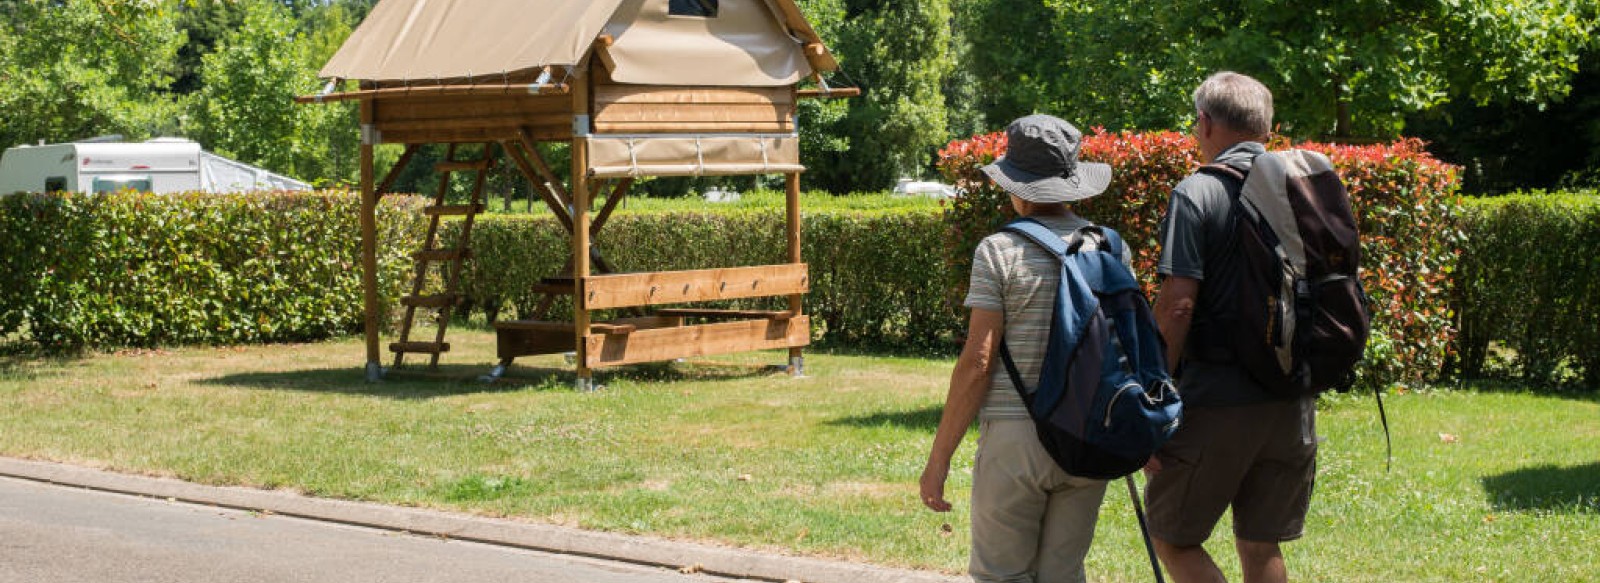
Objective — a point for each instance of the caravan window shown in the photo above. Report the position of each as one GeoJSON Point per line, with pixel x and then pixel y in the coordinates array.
{"type": "Point", "coordinates": [121, 182]}
{"type": "Point", "coordinates": [55, 184]}
{"type": "Point", "coordinates": [701, 8]}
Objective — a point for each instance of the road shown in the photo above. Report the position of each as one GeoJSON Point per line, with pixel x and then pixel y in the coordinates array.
{"type": "Point", "coordinates": [57, 534]}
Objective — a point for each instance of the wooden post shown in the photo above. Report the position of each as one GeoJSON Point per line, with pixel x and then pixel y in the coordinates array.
{"type": "Point", "coordinates": [792, 204]}
{"type": "Point", "coordinates": [369, 241]}
{"type": "Point", "coordinates": [579, 199]}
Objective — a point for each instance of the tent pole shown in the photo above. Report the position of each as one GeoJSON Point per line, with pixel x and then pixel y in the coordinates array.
{"type": "Point", "coordinates": [369, 243]}
{"type": "Point", "coordinates": [792, 203]}
{"type": "Point", "coordinates": [579, 199]}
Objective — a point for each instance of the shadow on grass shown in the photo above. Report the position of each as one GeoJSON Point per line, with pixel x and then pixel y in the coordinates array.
{"type": "Point", "coordinates": [1575, 392]}
{"type": "Point", "coordinates": [1573, 489]}
{"type": "Point", "coordinates": [924, 419]}
{"type": "Point", "coordinates": [418, 383]}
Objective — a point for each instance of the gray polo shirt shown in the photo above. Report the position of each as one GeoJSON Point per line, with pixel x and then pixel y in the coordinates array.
{"type": "Point", "coordinates": [1015, 276]}
{"type": "Point", "coordinates": [1198, 242]}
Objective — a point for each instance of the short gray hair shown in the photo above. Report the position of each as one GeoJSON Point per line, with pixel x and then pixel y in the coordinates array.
{"type": "Point", "coordinates": [1236, 101]}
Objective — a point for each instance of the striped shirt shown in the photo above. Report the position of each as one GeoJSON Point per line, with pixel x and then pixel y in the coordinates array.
{"type": "Point", "coordinates": [1017, 277]}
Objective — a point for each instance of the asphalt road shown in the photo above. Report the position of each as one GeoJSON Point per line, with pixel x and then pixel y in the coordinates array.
{"type": "Point", "coordinates": [57, 534]}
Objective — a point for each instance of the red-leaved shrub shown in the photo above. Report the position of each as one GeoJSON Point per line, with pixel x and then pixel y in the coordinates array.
{"type": "Point", "coordinates": [1404, 199]}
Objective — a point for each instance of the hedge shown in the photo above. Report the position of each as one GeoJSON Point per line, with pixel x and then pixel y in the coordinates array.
{"type": "Point", "coordinates": [1405, 201]}
{"type": "Point", "coordinates": [872, 271]}
{"type": "Point", "coordinates": [134, 269]}
{"type": "Point", "coordinates": [1530, 282]}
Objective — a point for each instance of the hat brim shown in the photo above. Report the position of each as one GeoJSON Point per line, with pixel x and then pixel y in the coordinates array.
{"type": "Point", "coordinates": [1090, 178]}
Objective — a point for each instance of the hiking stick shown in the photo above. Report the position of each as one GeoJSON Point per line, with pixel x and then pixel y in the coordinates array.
{"type": "Point", "coordinates": [1138, 510]}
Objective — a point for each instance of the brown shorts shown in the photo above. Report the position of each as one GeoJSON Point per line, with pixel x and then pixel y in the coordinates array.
{"type": "Point", "coordinates": [1259, 459]}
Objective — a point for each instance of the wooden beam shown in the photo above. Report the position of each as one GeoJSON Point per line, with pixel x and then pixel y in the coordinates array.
{"type": "Point", "coordinates": [704, 127]}
{"type": "Point", "coordinates": [465, 123]}
{"type": "Point", "coordinates": [729, 314]}
{"type": "Point", "coordinates": [394, 171]}
{"type": "Point", "coordinates": [373, 94]}
{"type": "Point", "coordinates": [835, 93]}
{"type": "Point", "coordinates": [791, 188]}
{"type": "Point", "coordinates": [691, 341]}
{"type": "Point", "coordinates": [544, 168]}
{"type": "Point", "coordinates": [617, 193]}
{"type": "Point", "coordinates": [579, 198]}
{"type": "Point", "coordinates": [369, 245]}
{"type": "Point", "coordinates": [672, 287]}
{"type": "Point", "coordinates": [537, 182]}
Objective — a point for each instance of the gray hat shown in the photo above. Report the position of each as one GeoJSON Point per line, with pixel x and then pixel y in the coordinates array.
{"type": "Point", "coordinates": [1041, 162]}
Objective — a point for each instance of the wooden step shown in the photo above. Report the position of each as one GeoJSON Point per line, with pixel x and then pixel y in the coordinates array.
{"type": "Point", "coordinates": [420, 347]}
{"type": "Point", "coordinates": [441, 254]}
{"type": "Point", "coordinates": [434, 301]}
{"type": "Point", "coordinates": [453, 210]}
{"type": "Point", "coordinates": [462, 166]}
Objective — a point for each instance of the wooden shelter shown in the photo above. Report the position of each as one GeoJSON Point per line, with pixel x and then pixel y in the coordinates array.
{"type": "Point", "coordinates": [637, 88]}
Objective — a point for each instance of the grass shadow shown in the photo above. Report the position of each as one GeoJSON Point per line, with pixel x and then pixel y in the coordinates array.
{"type": "Point", "coordinates": [924, 419]}
{"type": "Point", "coordinates": [1517, 386]}
{"type": "Point", "coordinates": [1572, 489]}
{"type": "Point", "coordinates": [402, 384]}
{"type": "Point", "coordinates": [417, 383]}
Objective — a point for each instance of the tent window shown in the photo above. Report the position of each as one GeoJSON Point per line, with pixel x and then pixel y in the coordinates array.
{"type": "Point", "coordinates": [55, 184]}
{"type": "Point", "coordinates": [701, 8]}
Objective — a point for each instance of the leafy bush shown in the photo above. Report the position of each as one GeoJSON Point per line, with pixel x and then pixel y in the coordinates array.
{"type": "Point", "coordinates": [1405, 202]}
{"type": "Point", "coordinates": [137, 269]}
{"type": "Point", "coordinates": [1530, 281]}
{"type": "Point", "coordinates": [873, 272]}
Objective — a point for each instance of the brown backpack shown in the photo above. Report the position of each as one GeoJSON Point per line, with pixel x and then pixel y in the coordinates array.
{"type": "Point", "coordinates": [1300, 319]}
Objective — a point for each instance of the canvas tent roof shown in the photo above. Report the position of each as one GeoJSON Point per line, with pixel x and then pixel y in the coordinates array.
{"type": "Point", "coordinates": [422, 40]}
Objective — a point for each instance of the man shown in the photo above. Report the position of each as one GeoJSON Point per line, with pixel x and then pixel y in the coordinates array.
{"type": "Point", "coordinates": [1031, 521]}
{"type": "Point", "coordinates": [1239, 446]}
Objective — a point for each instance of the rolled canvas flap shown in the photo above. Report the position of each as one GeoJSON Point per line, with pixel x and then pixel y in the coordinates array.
{"type": "Point", "coordinates": [613, 156]}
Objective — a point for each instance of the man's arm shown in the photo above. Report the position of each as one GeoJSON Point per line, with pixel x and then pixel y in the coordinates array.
{"type": "Point", "coordinates": [1174, 313]}
{"type": "Point", "coordinates": [969, 383]}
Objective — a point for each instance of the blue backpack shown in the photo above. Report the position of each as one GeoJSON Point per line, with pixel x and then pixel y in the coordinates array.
{"type": "Point", "coordinates": [1103, 403]}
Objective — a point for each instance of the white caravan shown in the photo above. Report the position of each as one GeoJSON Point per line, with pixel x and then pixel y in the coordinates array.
{"type": "Point", "coordinates": [161, 165]}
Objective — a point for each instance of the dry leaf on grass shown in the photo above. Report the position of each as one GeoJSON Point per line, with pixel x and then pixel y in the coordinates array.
{"type": "Point", "coordinates": [1448, 438]}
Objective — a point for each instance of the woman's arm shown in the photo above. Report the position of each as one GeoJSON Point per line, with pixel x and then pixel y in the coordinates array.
{"type": "Point", "coordinates": [969, 384]}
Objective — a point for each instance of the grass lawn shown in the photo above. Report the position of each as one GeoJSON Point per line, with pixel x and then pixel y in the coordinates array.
{"type": "Point", "coordinates": [1486, 486]}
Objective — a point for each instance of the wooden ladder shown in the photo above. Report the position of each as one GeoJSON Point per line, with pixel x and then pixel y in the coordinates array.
{"type": "Point", "coordinates": [451, 258]}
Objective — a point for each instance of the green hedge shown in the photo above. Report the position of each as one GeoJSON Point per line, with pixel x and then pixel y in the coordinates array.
{"type": "Point", "coordinates": [873, 272]}
{"type": "Point", "coordinates": [1405, 203]}
{"type": "Point", "coordinates": [1530, 282]}
{"type": "Point", "coordinates": [132, 269]}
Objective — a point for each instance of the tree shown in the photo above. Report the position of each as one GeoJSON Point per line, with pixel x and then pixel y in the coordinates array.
{"type": "Point", "coordinates": [1343, 67]}
{"type": "Point", "coordinates": [244, 108]}
{"type": "Point", "coordinates": [71, 69]}
{"type": "Point", "coordinates": [900, 53]}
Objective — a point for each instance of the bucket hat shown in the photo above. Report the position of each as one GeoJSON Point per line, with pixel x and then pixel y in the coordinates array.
{"type": "Point", "coordinates": [1041, 162]}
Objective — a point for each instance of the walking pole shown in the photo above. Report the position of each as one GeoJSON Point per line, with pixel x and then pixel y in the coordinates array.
{"type": "Point", "coordinates": [1138, 510]}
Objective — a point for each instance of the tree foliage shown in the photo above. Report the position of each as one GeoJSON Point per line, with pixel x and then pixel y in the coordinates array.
{"type": "Point", "coordinates": [245, 106]}
{"type": "Point", "coordinates": [71, 69]}
{"type": "Point", "coordinates": [899, 51]}
{"type": "Point", "coordinates": [1344, 67]}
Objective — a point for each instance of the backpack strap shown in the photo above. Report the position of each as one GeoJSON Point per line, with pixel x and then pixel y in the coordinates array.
{"type": "Point", "coordinates": [1038, 233]}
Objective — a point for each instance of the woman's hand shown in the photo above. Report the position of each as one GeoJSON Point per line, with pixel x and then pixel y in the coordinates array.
{"type": "Point", "coordinates": [933, 477]}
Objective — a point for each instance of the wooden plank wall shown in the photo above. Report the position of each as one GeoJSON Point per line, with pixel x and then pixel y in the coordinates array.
{"type": "Point", "coordinates": [473, 118]}
{"type": "Point", "coordinates": [645, 109]}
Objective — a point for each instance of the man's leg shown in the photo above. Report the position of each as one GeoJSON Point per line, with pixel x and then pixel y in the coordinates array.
{"type": "Point", "coordinates": [1188, 564]}
{"type": "Point", "coordinates": [1262, 562]}
{"type": "Point", "coordinates": [1069, 520]}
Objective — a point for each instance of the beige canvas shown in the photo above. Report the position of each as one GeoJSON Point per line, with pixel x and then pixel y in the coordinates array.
{"type": "Point", "coordinates": [743, 44]}
{"type": "Point", "coordinates": [420, 41]}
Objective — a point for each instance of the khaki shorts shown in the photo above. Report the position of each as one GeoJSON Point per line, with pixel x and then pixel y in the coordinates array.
{"type": "Point", "coordinates": [1259, 459]}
